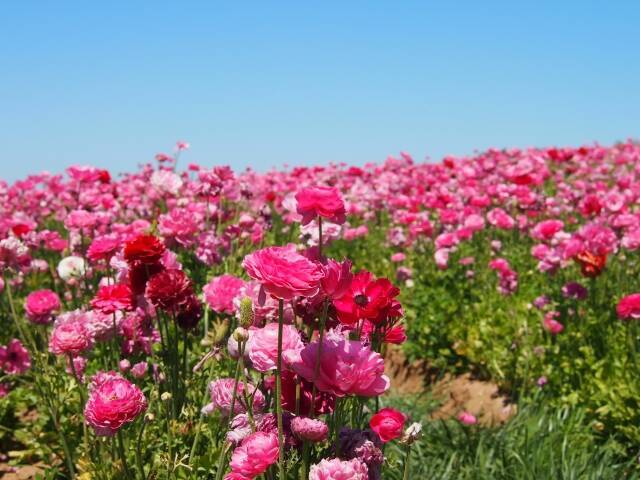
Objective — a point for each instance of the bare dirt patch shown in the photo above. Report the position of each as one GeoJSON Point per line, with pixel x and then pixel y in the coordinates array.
{"type": "Point", "coordinates": [455, 394]}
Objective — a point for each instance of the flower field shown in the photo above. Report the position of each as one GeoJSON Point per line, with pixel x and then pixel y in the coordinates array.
{"type": "Point", "coordinates": [192, 322]}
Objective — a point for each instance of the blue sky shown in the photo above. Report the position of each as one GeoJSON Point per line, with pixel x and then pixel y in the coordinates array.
{"type": "Point", "coordinates": [266, 83]}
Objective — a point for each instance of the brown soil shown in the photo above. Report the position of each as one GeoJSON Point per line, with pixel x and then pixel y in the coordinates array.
{"type": "Point", "coordinates": [20, 473]}
{"type": "Point", "coordinates": [455, 394]}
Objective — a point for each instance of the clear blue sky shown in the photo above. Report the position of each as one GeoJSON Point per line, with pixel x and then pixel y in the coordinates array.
{"type": "Point", "coordinates": [266, 83]}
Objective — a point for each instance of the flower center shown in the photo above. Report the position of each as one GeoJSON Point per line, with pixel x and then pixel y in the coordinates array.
{"type": "Point", "coordinates": [361, 300]}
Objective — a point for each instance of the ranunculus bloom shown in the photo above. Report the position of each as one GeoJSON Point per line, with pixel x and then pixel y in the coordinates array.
{"type": "Point", "coordinates": [368, 298]}
{"type": "Point", "coordinates": [552, 325]}
{"type": "Point", "coordinates": [41, 305]}
{"type": "Point", "coordinates": [111, 298]}
{"type": "Point", "coordinates": [347, 367]}
{"type": "Point", "coordinates": [323, 202]}
{"type": "Point", "coordinates": [140, 369]}
{"type": "Point", "coordinates": [70, 337]}
{"type": "Point", "coordinates": [255, 454]}
{"type": "Point", "coordinates": [591, 265]}
{"type": "Point", "coordinates": [113, 402]}
{"type": "Point", "coordinates": [337, 278]}
{"type": "Point", "coordinates": [336, 469]}
{"type": "Point", "coordinates": [169, 290]}
{"type": "Point", "coordinates": [263, 345]}
{"type": "Point", "coordinates": [309, 429]}
{"type": "Point", "coordinates": [546, 229]}
{"type": "Point", "coordinates": [103, 248]}
{"type": "Point", "coordinates": [222, 394]}
{"type": "Point", "coordinates": [190, 313]}
{"type": "Point", "coordinates": [283, 272]}
{"type": "Point", "coordinates": [220, 292]}
{"type": "Point", "coordinates": [144, 249]}
{"type": "Point", "coordinates": [388, 423]}
{"type": "Point", "coordinates": [324, 401]}
{"type": "Point", "coordinates": [467, 418]}
{"type": "Point", "coordinates": [71, 267]}
{"type": "Point", "coordinates": [629, 307]}
{"type": "Point", "coordinates": [14, 358]}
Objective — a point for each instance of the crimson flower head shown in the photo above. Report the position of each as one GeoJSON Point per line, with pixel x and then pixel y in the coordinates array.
{"type": "Point", "coordinates": [388, 423]}
{"type": "Point", "coordinates": [144, 249]}
{"type": "Point", "coordinates": [170, 290]}
{"type": "Point", "coordinates": [629, 307]}
{"type": "Point", "coordinates": [112, 298]}
{"type": "Point", "coordinates": [323, 202]}
{"type": "Point", "coordinates": [591, 265]}
{"type": "Point", "coordinates": [368, 298]}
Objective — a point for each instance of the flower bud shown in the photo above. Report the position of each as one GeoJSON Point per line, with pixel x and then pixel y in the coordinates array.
{"type": "Point", "coordinates": [240, 334]}
{"type": "Point", "coordinates": [166, 396]}
{"type": "Point", "coordinates": [412, 433]}
{"type": "Point", "coordinates": [246, 312]}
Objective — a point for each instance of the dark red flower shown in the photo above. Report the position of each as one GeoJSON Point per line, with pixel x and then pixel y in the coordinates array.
{"type": "Point", "coordinates": [111, 298]}
{"type": "Point", "coordinates": [144, 249]}
{"type": "Point", "coordinates": [324, 402]}
{"type": "Point", "coordinates": [368, 298]}
{"type": "Point", "coordinates": [170, 290]}
{"type": "Point", "coordinates": [190, 314]}
{"type": "Point", "coordinates": [591, 264]}
{"type": "Point", "coordinates": [139, 275]}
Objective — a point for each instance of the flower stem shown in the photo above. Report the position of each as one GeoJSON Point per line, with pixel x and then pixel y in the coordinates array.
{"type": "Point", "coordinates": [407, 458]}
{"type": "Point", "coordinates": [281, 473]}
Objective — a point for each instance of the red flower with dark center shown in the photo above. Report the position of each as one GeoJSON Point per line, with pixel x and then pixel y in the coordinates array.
{"type": "Point", "coordinates": [368, 298]}
{"type": "Point", "coordinates": [591, 265]}
{"type": "Point", "coordinates": [144, 249]}
{"type": "Point", "coordinates": [170, 290]}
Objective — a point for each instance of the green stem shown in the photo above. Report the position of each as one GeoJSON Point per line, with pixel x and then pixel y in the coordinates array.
{"type": "Point", "coordinates": [316, 368]}
{"type": "Point", "coordinates": [407, 459]}
{"type": "Point", "coordinates": [281, 473]}
{"type": "Point", "coordinates": [123, 455]}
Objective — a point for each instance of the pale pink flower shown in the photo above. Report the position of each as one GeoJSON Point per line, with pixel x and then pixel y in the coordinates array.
{"type": "Point", "coordinates": [255, 454]}
{"type": "Point", "coordinates": [336, 469]}
{"type": "Point", "coordinates": [309, 429]}
{"type": "Point", "coordinates": [263, 345]}
{"type": "Point", "coordinates": [222, 394]}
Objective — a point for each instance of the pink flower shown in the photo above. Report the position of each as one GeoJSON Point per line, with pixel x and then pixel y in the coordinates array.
{"type": "Point", "coordinates": [309, 429]}
{"type": "Point", "coordinates": [336, 469]}
{"type": "Point", "coordinates": [112, 298]}
{"type": "Point", "coordinates": [103, 248]}
{"type": "Point", "coordinates": [70, 336]}
{"type": "Point", "coordinates": [14, 358]}
{"type": "Point", "coordinates": [388, 423]}
{"type": "Point", "coordinates": [222, 394]}
{"type": "Point", "coordinates": [263, 345]}
{"type": "Point", "coordinates": [113, 402]}
{"type": "Point", "coordinates": [467, 418]}
{"type": "Point", "coordinates": [629, 307]}
{"type": "Point", "coordinates": [255, 454]}
{"type": "Point", "coordinates": [546, 229]}
{"type": "Point", "coordinates": [139, 370]}
{"type": "Point", "coordinates": [337, 278]}
{"type": "Point", "coordinates": [323, 202]}
{"type": "Point", "coordinates": [220, 292]}
{"type": "Point", "coordinates": [552, 325]}
{"type": "Point", "coordinates": [398, 257]}
{"type": "Point", "coordinates": [283, 272]}
{"type": "Point", "coordinates": [347, 367]}
{"type": "Point", "coordinates": [41, 305]}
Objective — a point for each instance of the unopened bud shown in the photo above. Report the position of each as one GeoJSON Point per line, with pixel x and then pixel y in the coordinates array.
{"type": "Point", "coordinates": [246, 312]}
{"type": "Point", "coordinates": [240, 334]}
{"type": "Point", "coordinates": [166, 396]}
{"type": "Point", "coordinates": [149, 417]}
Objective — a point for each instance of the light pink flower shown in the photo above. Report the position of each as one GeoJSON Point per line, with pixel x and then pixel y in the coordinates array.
{"type": "Point", "coordinates": [139, 370]}
{"type": "Point", "coordinates": [263, 345]}
{"type": "Point", "coordinates": [336, 469]}
{"type": "Point", "coordinates": [283, 272]}
{"type": "Point", "coordinates": [467, 418]}
{"type": "Point", "coordinates": [222, 394]}
{"type": "Point", "coordinates": [70, 336]}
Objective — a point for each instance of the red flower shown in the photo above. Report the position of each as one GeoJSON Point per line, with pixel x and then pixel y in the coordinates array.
{"type": "Point", "coordinates": [388, 423]}
{"type": "Point", "coordinates": [139, 275]}
{"type": "Point", "coordinates": [190, 314]}
{"type": "Point", "coordinates": [144, 249]}
{"type": "Point", "coordinates": [591, 265]}
{"type": "Point", "coordinates": [323, 202]}
{"type": "Point", "coordinates": [369, 299]}
{"type": "Point", "coordinates": [111, 298]}
{"type": "Point", "coordinates": [170, 290]}
{"type": "Point", "coordinates": [324, 401]}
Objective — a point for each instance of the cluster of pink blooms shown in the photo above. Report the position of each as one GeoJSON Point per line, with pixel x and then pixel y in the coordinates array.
{"type": "Point", "coordinates": [317, 324]}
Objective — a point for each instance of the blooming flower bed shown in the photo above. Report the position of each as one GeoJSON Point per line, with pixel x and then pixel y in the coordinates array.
{"type": "Point", "coordinates": [201, 323]}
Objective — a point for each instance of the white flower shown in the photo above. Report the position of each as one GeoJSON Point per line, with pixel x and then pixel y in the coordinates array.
{"type": "Point", "coordinates": [71, 267]}
{"type": "Point", "coordinates": [166, 181]}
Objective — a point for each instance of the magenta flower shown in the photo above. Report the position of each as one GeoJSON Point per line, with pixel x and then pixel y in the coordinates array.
{"type": "Point", "coordinates": [629, 307]}
{"type": "Point", "coordinates": [222, 394]}
{"type": "Point", "coordinates": [41, 305]}
{"type": "Point", "coordinates": [14, 358]}
{"type": "Point", "coordinates": [323, 202]}
{"type": "Point", "coordinates": [113, 402]}
{"type": "Point", "coordinates": [255, 454]}
{"type": "Point", "coordinates": [309, 429]}
{"type": "Point", "coordinates": [220, 292]}
{"type": "Point", "coordinates": [70, 336]}
{"type": "Point", "coordinates": [283, 272]}
{"type": "Point", "coordinates": [467, 418]}
{"type": "Point", "coordinates": [346, 367]}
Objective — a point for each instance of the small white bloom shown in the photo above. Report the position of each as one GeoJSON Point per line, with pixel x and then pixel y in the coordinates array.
{"type": "Point", "coordinates": [71, 267]}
